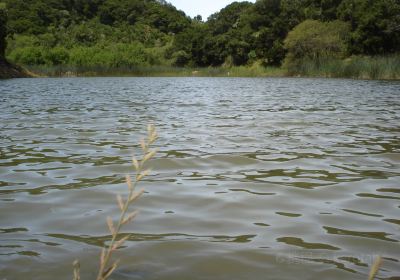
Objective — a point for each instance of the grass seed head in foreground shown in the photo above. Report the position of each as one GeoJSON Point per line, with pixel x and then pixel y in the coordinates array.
{"type": "Point", "coordinates": [107, 266]}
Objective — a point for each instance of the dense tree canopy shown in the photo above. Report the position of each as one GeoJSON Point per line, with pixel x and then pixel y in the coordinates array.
{"type": "Point", "coordinates": [111, 32]}
{"type": "Point", "coordinates": [315, 40]}
{"type": "Point", "coordinates": [375, 25]}
{"type": "Point", "coordinates": [3, 30]}
{"type": "Point", "coordinates": [36, 16]}
{"type": "Point", "coordinates": [244, 32]}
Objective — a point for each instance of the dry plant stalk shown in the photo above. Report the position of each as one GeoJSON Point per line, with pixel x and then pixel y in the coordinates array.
{"type": "Point", "coordinates": [106, 268]}
{"type": "Point", "coordinates": [77, 267]}
{"type": "Point", "coordinates": [375, 268]}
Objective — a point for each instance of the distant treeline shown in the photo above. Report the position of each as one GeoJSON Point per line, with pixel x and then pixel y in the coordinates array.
{"type": "Point", "coordinates": [132, 33]}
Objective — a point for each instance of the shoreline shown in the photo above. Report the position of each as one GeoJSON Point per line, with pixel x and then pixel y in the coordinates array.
{"type": "Point", "coordinates": [193, 75]}
{"type": "Point", "coordinates": [155, 71]}
{"type": "Point", "coordinates": [9, 70]}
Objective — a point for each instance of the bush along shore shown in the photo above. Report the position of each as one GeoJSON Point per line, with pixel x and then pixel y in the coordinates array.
{"type": "Point", "coordinates": [371, 68]}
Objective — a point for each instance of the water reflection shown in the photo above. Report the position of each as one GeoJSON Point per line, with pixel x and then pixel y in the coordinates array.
{"type": "Point", "coordinates": [102, 240]}
{"type": "Point", "coordinates": [375, 235]}
{"type": "Point", "coordinates": [300, 243]}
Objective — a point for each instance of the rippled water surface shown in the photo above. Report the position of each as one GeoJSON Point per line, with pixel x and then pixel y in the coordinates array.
{"type": "Point", "coordinates": [254, 179]}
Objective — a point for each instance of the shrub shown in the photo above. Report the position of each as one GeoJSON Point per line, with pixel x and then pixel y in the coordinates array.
{"type": "Point", "coordinates": [180, 58]}
{"type": "Point", "coordinates": [315, 40]}
{"type": "Point", "coordinates": [34, 55]}
{"type": "Point", "coordinates": [57, 56]}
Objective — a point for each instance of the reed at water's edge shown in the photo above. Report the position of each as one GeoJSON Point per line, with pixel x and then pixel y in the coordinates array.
{"type": "Point", "coordinates": [155, 71]}
{"type": "Point", "coordinates": [357, 67]}
{"type": "Point", "coordinates": [374, 68]}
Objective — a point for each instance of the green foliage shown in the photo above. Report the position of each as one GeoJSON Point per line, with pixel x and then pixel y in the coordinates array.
{"type": "Point", "coordinates": [89, 32]}
{"type": "Point", "coordinates": [36, 16]}
{"type": "Point", "coordinates": [228, 18]}
{"type": "Point", "coordinates": [315, 40]}
{"type": "Point", "coordinates": [57, 56]}
{"type": "Point", "coordinates": [28, 56]}
{"type": "Point", "coordinates": [357, 67]}
{"type": "Point", "coordinates": [115, 11]}
{"type": "Point", "coordinates": [22, 41]}
{"type": "Point", "coordinates": [39, 55]}
{"type": "Point", "coordinates": [109, 56]}
{"type": "Point", "coordinates": [192, 41]}
{"type": "Point", "coordinates": [375, 25]}
{"type": "Point", "coordinates": [3, 30]}
{"type": "Point", "coordinates": [211, 43]}
{"type": "Point", "coordinates": [119, 55]}
{"type": "Point", "coordinates": [180, 58]}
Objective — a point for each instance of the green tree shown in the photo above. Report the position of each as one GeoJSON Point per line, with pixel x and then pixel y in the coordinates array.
{"type": "Point", "coordinates": [3, 30]}
{"type": "Point", "coordinates": [180, 58]}
{"type": "Point", "coordinates": [375, 25]}
{"type": "Point", "coordinates": [192, 41]}
{"type": "Point", "coordinates": [268, 22]}
{"type": "Point", "coordinates": [228, 18]}
{"type": "Point", "coordinates": [315, 40]}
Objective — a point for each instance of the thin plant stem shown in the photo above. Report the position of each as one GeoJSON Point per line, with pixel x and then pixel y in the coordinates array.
{"type": "Point", "coordinates": [375, 268]}
{"type": "Point", "coordinates": [105, 268]}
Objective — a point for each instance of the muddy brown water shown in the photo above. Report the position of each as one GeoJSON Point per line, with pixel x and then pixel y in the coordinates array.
{"type": "Point", "coordinates": [254, 179]}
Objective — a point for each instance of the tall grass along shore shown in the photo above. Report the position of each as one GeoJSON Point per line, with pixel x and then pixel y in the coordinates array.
{"type": "Point", "coordinates": [375, 68]}
{"type": "Point", "coordinates": [356, 67]}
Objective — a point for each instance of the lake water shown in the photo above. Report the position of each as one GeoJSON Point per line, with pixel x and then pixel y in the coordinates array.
{"type": "Point", "coordinates": [254, 179]}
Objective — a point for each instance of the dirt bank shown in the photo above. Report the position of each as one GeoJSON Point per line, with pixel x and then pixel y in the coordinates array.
{"type": "Point", "coordinates": [9, 71]}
